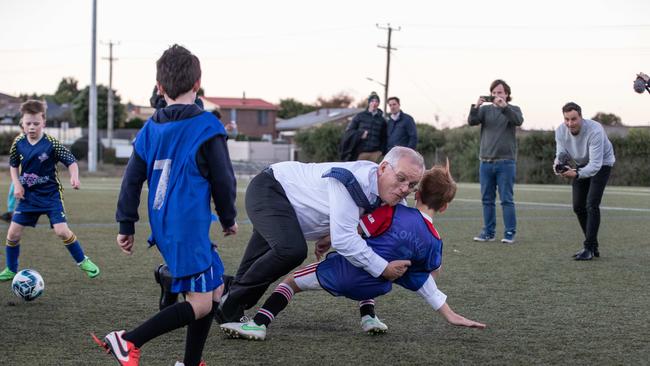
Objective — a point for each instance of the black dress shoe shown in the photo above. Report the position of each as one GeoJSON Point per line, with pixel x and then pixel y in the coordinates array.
{"type": "Point", "coordinates": [7, 216]}
{"type": "Point", "coordinates": [584, 255]}
{"type": "Point", "coordinates": [228, 312]}
{"type": "Point", "coordinates": [164, 279]}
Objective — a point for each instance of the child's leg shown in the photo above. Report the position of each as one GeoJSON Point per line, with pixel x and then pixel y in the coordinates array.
{"type": "Point", "coordinates": [367, 307]}
{"type": "Point", "coordinates": [70, 241]}
{"type": "Point", "coordinates": [72, 245]}
{"type": "Point", "coordinates": [12, 250]}
{"type": "Point", "coordinates": [302, 280]}
{"type": "Point", "coordinates": [198, 330]}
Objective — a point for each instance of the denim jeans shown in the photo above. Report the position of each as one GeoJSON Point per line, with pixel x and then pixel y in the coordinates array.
{"type": "Point", "coordinates": [498, 174]}
{"type": "Point", "coordinates": [587, 194]}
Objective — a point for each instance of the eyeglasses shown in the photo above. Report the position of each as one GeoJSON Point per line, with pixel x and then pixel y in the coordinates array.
{"type": "Point", "coordinates": [403, 180]}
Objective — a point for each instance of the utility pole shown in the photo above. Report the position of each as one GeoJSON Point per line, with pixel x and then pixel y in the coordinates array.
{"type": "Point", "coordinates": [92, 103]}
{"type": "Point", "coordinates": [110, 58]}
{"type": "Point", "coordinates": [388, 49]}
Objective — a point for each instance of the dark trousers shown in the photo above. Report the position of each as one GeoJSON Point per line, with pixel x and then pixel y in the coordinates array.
{"type": "Point", "coordinates": [276, 247]}
{"type": "Point", "coordinates": [587, 195]}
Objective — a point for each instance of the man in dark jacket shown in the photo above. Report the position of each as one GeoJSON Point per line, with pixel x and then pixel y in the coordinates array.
{"type": "Point", "coordinates": [401, 126]}
{"type": "Point", "coordinates": [373, 125]}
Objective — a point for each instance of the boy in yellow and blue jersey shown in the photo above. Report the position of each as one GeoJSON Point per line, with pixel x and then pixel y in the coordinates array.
{"type": "Point", "coordinates": [32, 159]}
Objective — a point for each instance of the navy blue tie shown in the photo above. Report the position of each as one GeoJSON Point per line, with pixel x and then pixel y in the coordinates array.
{"type": "Point", "coordinates": [350, 183]}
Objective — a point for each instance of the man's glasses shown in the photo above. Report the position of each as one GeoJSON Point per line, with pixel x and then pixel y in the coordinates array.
{"type": "Point", "coordinates": [403, 180]}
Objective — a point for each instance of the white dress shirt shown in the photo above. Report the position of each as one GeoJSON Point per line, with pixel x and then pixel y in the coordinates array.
{"type": "Point", "coordinates": [324, 206]}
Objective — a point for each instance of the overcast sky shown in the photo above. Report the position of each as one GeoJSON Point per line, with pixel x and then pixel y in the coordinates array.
{"type": "Point", "coordinates": [448, 52]}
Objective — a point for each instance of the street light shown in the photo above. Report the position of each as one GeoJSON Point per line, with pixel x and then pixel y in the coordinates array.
{"type": "Point", "coordinates": [383, 86]}
{"type": "Point", "coordinates": [373, 80]}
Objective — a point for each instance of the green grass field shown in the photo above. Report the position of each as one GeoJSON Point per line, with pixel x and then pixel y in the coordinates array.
{"type": "Point", "coordinates": [541, 307]}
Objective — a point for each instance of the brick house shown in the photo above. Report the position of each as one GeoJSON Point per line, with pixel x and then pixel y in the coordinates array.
{"type": "Point", "coordinates": [254, 117]}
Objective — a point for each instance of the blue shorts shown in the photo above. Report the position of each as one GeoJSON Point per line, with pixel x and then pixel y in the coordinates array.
{"type": "Point", "coordinates": [339, 277]}
{"type": "Point", "coordinates": [205, 281]}
{"type": "Point", "coordinates": [56, 214]}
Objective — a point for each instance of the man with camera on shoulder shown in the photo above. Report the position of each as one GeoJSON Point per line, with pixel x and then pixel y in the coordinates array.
{"type": "Point", "coordinates": [584, 142]}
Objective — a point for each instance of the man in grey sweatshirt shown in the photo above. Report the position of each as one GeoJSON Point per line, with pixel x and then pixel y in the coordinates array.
{"type": "Point", "coordinates": [585, 142]}
{"type": "Point", "coordinates": [498, 154]}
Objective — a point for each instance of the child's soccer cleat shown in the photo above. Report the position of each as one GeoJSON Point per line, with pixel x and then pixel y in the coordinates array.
{"type": "Point", "coordinates": [372, 325]}
{"type": "Point", "coordinates": [182, 364]}
{"type": "Point", "coordinates": [248, 330]}
{"type": "Point", "coordinates": [125, 352]}
{"type": "Point", "coordinates": [89, 267]}
{"type": "Point", "coordinates": [7, 275]}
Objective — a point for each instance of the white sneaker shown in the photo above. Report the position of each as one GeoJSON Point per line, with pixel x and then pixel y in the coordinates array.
{"type": "Point", "coordinates": [248, 330]}
{"type": "Point", "coordinates": [372, 325]}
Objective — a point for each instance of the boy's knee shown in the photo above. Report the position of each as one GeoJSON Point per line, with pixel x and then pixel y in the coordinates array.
{"type": "Point", "coordinates": [291, 282]}
{"type": "Point", "coordinates": [63, 232]}
{"type": "Point", "coordinates": [14, 233]}
{"type": "Point", "coordinates": [201, 303]}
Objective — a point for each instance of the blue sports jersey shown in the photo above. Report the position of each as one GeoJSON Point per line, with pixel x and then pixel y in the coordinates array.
{"type": "Point", "coordinates": [179, 196]}
{"type": "Point", "coordinates": [37, 171]}
{"type": "Point", "coordinates": [398, 232]}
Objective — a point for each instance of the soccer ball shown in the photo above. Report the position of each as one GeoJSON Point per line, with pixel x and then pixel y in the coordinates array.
{"type": "Point", "coordinates": [28, 284]}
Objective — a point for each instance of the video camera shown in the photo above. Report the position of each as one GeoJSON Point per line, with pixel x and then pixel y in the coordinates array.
{"type": "Point", "coordinates": [640, 85]}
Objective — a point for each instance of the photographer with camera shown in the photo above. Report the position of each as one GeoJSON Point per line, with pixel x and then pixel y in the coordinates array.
{"type": "Point", "coordinates": [498, 153]}
{"type": "Point", "coordinates": [585, 142]}
{"type": "Point", "coordinates": [642, 83]}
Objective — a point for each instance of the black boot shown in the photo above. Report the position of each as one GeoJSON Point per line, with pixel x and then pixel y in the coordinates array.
{"type": "Point", "coordinates": [164, 279]}
{"type": "Point", "coordinates": [584, 255]}
{"type": "Point", "coordinates": [7, 216]}
{"type": "Point", "coordinates": [594, 249]}
{"type": "Point", "coordinates": [228, 311]}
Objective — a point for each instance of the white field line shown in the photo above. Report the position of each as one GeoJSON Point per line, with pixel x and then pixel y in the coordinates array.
{"type": "Point", "coordinates": [563, 205]}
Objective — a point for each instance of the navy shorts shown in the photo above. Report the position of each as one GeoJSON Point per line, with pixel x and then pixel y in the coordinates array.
{"type": "Point", "coordinates": [339, 277]}
{"type": "Point", "coordinates": [56, 214]}
{"type": "Point", "coordinates": [205, 281]}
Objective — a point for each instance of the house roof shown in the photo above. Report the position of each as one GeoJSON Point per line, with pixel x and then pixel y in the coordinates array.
{"type": "Point", "coordinates": [241, 103]}
{"type": "Point", "coordinates": [8, 99]}
{"type": "Point", "coordinates": [316, 117]}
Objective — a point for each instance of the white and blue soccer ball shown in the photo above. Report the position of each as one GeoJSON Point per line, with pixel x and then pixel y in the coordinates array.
{"type": "Point", "coordinates": [28, 284]}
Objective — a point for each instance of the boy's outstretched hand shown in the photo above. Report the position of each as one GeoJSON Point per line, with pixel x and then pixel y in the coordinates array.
{"type": "Point", "coordinates": [458, 320]}
{"type": "Point", "coordinates": [126, 243]}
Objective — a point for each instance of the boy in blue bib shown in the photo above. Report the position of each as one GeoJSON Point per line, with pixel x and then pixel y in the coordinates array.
{"type": "Point", "coordinates": [181, 152]}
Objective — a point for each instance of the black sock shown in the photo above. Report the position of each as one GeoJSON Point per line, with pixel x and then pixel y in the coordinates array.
{"type": "Point", "coordinates": [367, 307]}
{"type": "Point", "coordinates": [278, 300]}
{"type": "Point", "coordinates": [197, 334]}
{"type": "Point", "coordinates": [168, 319]}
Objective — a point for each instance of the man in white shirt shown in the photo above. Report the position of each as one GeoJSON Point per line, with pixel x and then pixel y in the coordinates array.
{"type": "Point", "coordinates": [291, 202]}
